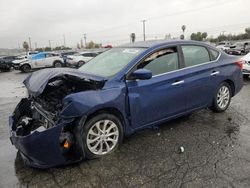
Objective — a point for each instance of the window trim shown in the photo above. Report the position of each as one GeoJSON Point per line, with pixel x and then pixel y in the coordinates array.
{"type": "Point", "coordinates": [132, 69]}
{"type": "Point", "coordinates": [209, 55]}
{"type": "Point", "coordinates": [182, 65]}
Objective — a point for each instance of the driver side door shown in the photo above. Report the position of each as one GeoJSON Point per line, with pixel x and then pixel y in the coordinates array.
{"type": "Point", "coordinates": [161, 97]}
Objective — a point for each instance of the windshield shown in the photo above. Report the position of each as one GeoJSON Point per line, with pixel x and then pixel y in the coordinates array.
{"type": "Point", "coordinates": [110, 62]}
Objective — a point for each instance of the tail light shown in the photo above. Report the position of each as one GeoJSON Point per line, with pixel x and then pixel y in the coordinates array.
{"type": "Point", "coordinates": [240, 64]}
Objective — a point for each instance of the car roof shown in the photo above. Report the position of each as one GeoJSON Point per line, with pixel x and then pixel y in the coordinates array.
{"type": "Point", "coordinates": [152, 43]}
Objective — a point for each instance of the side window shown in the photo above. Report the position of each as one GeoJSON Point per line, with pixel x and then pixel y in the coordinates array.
{"type": "Point", "coordinates": [195, 55]}
{"type": "Point", "coordinates": [214, 54]}
{"type": "Point", "coordinates": [49, 55]}
{"type": "Point", "coordinates": [162, 61]}
{"type": "Point", "coordinates": [87, 54]}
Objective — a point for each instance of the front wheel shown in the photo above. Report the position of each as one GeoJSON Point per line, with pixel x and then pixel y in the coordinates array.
{"type": "Point", "coordinates": [80, 63]}
{"type": "Point", "coordinates": [222, 98]}
{"type": "Point", "coordinates": [102, 135]}
{"type": "Point", "coordinates": [25, 68]}
{"type": "Point", "coordinates": [57, 64]}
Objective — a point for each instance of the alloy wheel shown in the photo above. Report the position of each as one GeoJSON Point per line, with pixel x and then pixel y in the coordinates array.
{"type": "Point", "coordinates": [102, 137]}
{"type": "Point", "coordinates": [223, 97]}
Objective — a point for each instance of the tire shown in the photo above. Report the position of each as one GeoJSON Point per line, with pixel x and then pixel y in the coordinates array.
{"type": "Point", "coordinates": [58, 64]}
{"type": "Point", "coordinates": [222, 98]}
{"type": "Point", "coordinates": [80, 63]}
{"type": "Point", "coordinates": [94, 141]}
{"type": "Point", "coordinates": [25, 68]}
{"type": "Point", "coordinates": [245, 76]}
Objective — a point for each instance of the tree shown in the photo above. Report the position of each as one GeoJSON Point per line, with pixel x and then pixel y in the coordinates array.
{"type": "Point", "coordinates": [39, 49]}
{"type": "Point", "coordinates": [97, 46]}
{"type": "Point", "coordinates": [198, 36]}
{"type": "Point", "coordinates": [183, 28]}
{"type": "Point", "coordinates": [78, 46]}
{"type": "Point", "coordinates": [26, 46]}
{"type": "Point", "coordinates": [90, 45]}
{"type": "Point", "coordinates": [132, 37]}
{"type": "Point", "coordinates": [47, 49]}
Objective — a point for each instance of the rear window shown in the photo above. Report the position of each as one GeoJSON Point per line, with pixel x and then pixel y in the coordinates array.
{"type": "Point", "coordinates": [195, 55]}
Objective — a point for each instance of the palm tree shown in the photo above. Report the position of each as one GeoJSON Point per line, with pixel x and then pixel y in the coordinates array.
{"type": "Point", "coordinates": [26, 46]}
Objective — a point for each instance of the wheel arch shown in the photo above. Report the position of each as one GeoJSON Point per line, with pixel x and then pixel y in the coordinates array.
{"type": "Point", "coordinates": [109, 110]}
{"type": "Point", "coordinates": [232, 86]}
{"type": "Point", "coordinates": [57, 61]}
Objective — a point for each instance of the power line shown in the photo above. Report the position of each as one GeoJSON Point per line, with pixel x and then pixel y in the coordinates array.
{"type": "Point", "coordinates": [167, 15]}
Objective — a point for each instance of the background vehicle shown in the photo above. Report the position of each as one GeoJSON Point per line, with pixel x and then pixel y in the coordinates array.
{"type": "Point", "coordinates": [67, 53]}
{"type": "Point", "coordinates": [80, 58]}
{"type": "Point", "coordinates": [84, 113]}
{"type": "Point", "coordinates": [224, 45]}
{"type": "Point", "coordinates": [41, 60]}
{"type": "Point", "coordinates": [239, 48]}
{"type": "Point", "coordinates": [246, 65]}
{"type": "Point", "coordinates": [6, 63]}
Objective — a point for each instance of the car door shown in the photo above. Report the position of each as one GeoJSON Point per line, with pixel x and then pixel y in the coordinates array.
{"type": "Point", "coordinates": [49, 60]}
{"type": "Point", "coordinates": [161, 97]}
{"type": "Point", "coordinates": [198, 71]}
{"type": "Point", "coordinates": [38, 60]}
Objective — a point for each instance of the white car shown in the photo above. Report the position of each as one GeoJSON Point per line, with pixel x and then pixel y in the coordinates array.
{"type": "Point", "coordinates": [246, 65]}
{"type": "Point", "coordinates": [80, 58]}
{"type": "Point", "coordinates": [40, 60]}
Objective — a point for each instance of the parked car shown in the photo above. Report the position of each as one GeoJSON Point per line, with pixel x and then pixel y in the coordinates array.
{"type": "Point", "coordinates": [6, 63]}
{"type": "Point", "coordinates": [80, 58]}
{"type": "Point", "coordinates": [239, 48]}
{"type": "Point", "coordinates": [224, 45]}
{"type": "Point", "coordinates": [40, 60]}
{"type": "Point", "coordinates": [67, 53]}
{"type": "Point", "coordinates": [75, 114]}
{"type": "Point", "coordinates": [246, 66]}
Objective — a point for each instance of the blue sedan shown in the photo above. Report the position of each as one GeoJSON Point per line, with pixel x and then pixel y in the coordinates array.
{"type": "Point", "coordinates": [70, 114]}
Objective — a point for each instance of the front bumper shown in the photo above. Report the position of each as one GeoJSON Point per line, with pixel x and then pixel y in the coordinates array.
{"type": "Point", "coordinates": [43, 148]}
{"type": "Point", "coordinates": [70, 62]}
{"type": "Point", "coordinates": [16, 66]}
{"type": "Point", "coordinates": [40, 149]}
{"type": "Point", "coordinates": [245, 72]}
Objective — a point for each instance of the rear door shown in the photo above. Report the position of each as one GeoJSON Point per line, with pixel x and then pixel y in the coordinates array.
{"type": "Point", "coordinates": [49, 60]}
{"type": "Point", "coordinates": [198, 72]}
{"type": "Point", "coordinates": [162, 96]}
{"type": "Point", "coordinates": [38, 60]}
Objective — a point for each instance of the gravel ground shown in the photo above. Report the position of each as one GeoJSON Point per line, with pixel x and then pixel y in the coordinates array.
{"type": "Point", "coordinates": [216, 151]}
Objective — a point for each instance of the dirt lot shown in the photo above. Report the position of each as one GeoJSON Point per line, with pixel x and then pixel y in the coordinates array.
{"type": "Point", "coordinates": [217, 151]}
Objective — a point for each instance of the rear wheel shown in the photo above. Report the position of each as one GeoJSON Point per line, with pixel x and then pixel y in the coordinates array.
{"type": "Point", "coordinates": [25, 68]}
{"type": "Point", "coordinates": [57, 64]}
{"type": "Point", "coordinates": [102, 135]}
{"type": "Point", "coordinates": [222, 98]}
{"type": "Point", "coordinates": [80, 63]}
{"type": "Point", "coordinates": [245, 76]}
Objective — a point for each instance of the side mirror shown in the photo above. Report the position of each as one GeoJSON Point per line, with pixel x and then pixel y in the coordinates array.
{"type": "Point", "coordinates": [141, 74]}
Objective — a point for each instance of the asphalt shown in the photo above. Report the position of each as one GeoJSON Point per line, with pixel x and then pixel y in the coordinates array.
{"type": "Point", "coordinates": [216, 151]}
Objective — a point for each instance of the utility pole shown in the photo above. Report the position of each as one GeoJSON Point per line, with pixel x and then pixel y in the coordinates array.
{"type": "Point", "coordinates": [35, 45]}
{"type": "Point", "coordinates": [64, 43]}
{"type": "Point", "coordinates": [85, 39]}
{"type": "Point", "coordinates": [49, 44]}
{"type": "Point", "coordinates": [143, 24]}
{"type": "Point", "coordinates": [30, 44]}
{"type": "Point", "coordinates": [19, 45]}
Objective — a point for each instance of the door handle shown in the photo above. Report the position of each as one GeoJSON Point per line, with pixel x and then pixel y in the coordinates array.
{"type": "Point", "coordinates": [215, 73]}
{"type": "Point", "coordinates": [178, 83]}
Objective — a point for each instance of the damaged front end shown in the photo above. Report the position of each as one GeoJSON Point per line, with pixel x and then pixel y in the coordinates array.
{"type": "Point", "coordinates": [40, 129]}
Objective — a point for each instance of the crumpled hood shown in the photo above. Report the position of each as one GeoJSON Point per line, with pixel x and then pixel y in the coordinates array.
{"type": "Point", "coordinates": [37, 81]}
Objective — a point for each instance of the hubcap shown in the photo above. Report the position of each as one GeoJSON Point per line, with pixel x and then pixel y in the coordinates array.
{"type": "Point", "coordinates": [58, 65]}
{"type": "Point", "coordinates": [102, 137]}
{"type": "Point", "coordinates": [223, 97]}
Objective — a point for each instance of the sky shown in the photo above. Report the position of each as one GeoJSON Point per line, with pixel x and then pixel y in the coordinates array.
{"type": "Point", "coordinates": [112, 21]}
